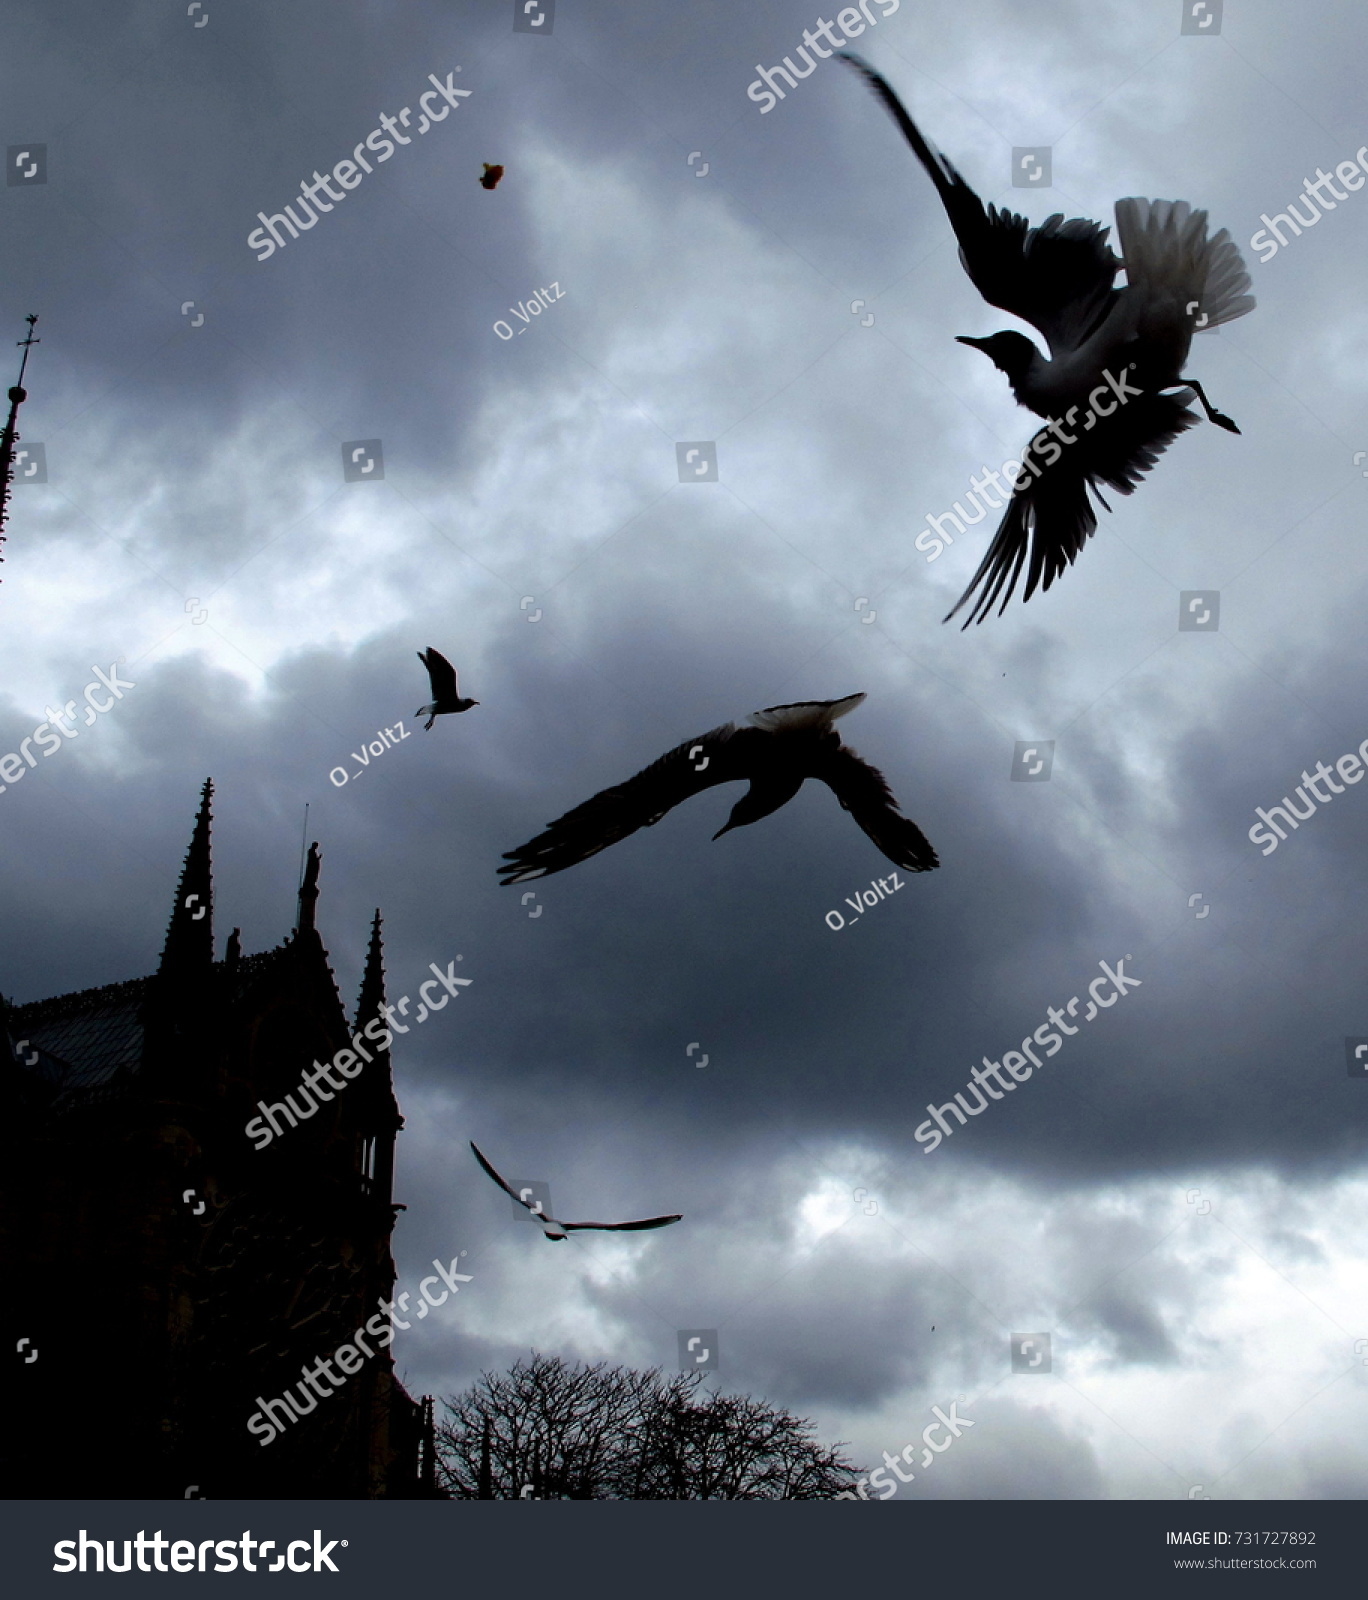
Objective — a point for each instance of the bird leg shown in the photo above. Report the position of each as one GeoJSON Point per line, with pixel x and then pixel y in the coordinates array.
{"type": "Point", "coordinates": [1221, 420]}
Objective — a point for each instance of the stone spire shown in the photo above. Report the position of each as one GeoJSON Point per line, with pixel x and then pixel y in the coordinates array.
{"type": "Point", "coordinates": [372, 995]}
{"type": "Point", "coordinates": [380, 1116]}
{"type": "Point", "coordinates": [189, 948]}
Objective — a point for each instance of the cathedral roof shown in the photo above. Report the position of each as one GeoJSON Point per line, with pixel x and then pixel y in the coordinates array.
{"type": "Point", "coordinates": [89, 1043]}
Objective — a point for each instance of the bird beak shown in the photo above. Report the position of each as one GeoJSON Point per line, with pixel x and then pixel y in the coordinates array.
{"type": "Point", "coordinates": [727, 829]}
{"type": "Point", "coordinates": [978, 344]}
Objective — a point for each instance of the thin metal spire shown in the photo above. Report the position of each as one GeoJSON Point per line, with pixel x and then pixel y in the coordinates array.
{"type": "Point", "coordinates": [17, 395]}
{"type": "Point", "coordinates": [303, 835]}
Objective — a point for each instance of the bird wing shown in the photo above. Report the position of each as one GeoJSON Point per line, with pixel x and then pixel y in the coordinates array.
{"type": "Point", "coordinates": [725, 753]}
{"type": "Point", "coordinates": [506, 1187]}
{"type": "Point", "coordinates": [441, 675]}
{"type": "Point", "coordinates": [625, 1227]}
{"type": "Point", "coordinates": [803, 714]}
{"type": "Point", "coordinates": [1051, 518]}
{"type": "Point", "coordinates": [1058, 277]}
{"type": "Point", "coordinates": [566, 1227]}
{"type": "Point", "coordinates": [863, 792]}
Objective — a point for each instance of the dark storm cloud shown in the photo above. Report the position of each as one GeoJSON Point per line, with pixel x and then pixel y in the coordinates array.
{"type": "Point", "coordinates": [670, 937]}
{"type": "Point", "coordinates": [537, 475]}
{"type": "Point", "coordinates": [166, 141]}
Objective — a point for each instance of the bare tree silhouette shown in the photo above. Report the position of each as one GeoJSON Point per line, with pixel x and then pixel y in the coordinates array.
{"type": "Point", "coordinates": [554, 1430]}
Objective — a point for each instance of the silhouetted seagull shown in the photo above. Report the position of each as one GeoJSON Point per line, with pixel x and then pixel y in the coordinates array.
{"type": "Point", "coordinates": [776, 749]}
{"type": "Point", "coordinates": [446, 688]}
{"type": "Point", "coordinates": [489, 178]}
{"type": "Point", "coordinates": [1111, 351]}
{"type": "Point", "coordinates": [556, 1231]}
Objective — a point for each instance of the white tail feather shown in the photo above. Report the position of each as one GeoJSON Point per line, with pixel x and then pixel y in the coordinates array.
{"type": "Point", "coordinates": [1165, 248]}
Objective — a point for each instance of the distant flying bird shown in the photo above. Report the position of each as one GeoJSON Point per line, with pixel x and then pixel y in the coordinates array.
{"type": "Point", "coordinates": [1111, 351]}
{"type": "Point", "coordinates": [556, 1231]}
{"type": "Point", "coordinates": [490, 177]}
{"type": "Point", "coordinates": [446, 689]}
{"type": "Point", "coordinates": [776, 749]}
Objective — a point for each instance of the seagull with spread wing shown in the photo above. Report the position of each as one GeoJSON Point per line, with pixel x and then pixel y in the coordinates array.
{"type": "Point", "coordinates": [776, 750]}
{"type": "Point", "coordinates": [1112, 351]}
{"type": "Point", "coordinates": [555, 1230]}
{"type": "Point", "coordinates": [445, 686]}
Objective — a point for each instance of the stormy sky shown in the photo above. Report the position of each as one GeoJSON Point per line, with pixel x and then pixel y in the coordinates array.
{"type": "Point", "coordinates": [1178, 1197]}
